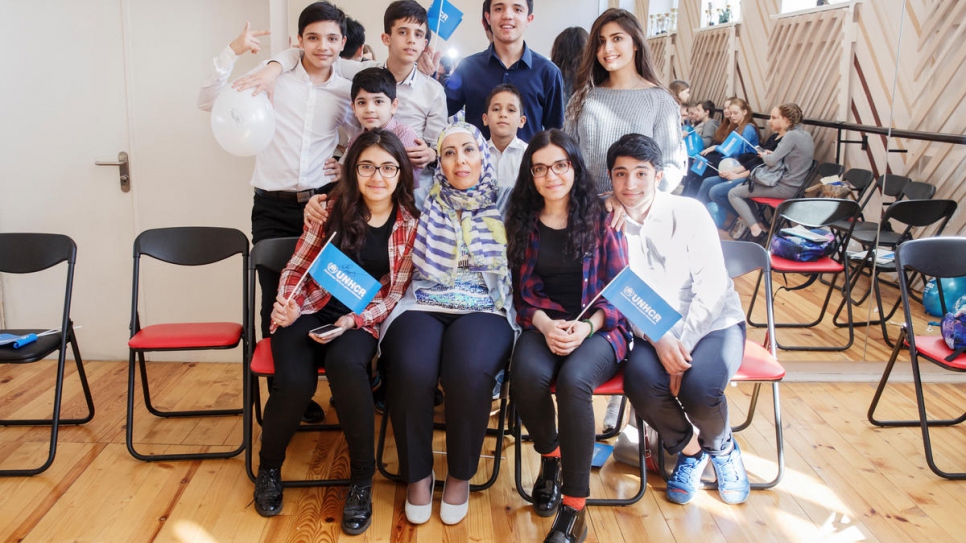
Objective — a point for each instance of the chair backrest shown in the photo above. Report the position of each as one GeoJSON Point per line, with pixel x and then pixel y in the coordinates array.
{"type": "Point", "coordinates": [826, 169]}
{"type": "Point", "coordinates": [920, 213]}
{"type": "Point", "coordinates": [191, 245]}
{"type": "Point", "coordinates": [918, 190]}
{"type": "Point", "coordinates": [891, 184]}
{"type": "Point", "coordinates": [816, 212]}
{"type": "Point", "coordinates": [808, 179]}
{"type": "Point", "coordinates": [743, 257]}
{"type": "Point", "coordinates": [939, 257]}
{"type": "Point", "coordinates": [273, 254]}
{"type": "Point", "coordinates": [30, 252]}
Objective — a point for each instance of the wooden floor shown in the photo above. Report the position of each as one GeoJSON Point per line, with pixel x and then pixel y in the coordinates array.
{"type": "Point", "coordinates": [845, 480]}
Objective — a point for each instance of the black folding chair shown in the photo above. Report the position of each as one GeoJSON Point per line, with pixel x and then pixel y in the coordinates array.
{"type": "Point", "coordinates": [271, 254]}
{"type": "Point", "coordinates": [813, 213]}
{"type": "Point", "coordinates": [912, 214]}
{"type": "Point", "coordinates": [31, 253]}
{"type": "Point", "coordinates": [183, 246]}
{"type": "Point", "coordinates": [940, 258]}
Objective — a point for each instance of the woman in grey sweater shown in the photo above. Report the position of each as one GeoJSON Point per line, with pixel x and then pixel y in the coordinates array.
{"type": "Point", "coordinates": [792, 157]}
{"type": "Point", "coordinates": [618, 92]}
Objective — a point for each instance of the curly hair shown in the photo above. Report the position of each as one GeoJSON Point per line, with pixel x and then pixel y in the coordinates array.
{"type": "Point", "coordinates": [349, 216]}
{"type": "Point", "coordinates": [591, 73]}
{"type": "Point", "coordinates": [584, 209]}
{"type": "Point", "coordinates": [792, 112]}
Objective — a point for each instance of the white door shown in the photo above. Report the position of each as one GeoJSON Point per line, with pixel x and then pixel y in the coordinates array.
{"type": "Point", "coordinates": [84, 81]}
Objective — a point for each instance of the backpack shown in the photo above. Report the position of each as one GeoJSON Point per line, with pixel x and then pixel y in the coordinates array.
{"type": "Point", "coordinates": [954, 333]}
{"type": "Point", "coordinates": [799, 249]}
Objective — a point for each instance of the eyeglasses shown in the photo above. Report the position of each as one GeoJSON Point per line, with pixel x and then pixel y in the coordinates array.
{"type": "Point", "coordinates": [387, 171]}
{"type": "Point", "coordinates": [560, 167]}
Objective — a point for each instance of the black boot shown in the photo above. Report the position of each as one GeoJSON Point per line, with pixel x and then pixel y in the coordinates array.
{"type": "Point", "coordinates": [357, 512]}
{"type": "Point", "coordinates": [546, 489]}
{"type": "Point", "coordinates": [313, 413]}
{"type": "Point", "coordinates": [268, 492]}
{"type": "Point", "coordinates": [568, 527]}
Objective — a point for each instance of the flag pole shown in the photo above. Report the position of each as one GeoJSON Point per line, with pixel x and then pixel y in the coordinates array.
{"type": "Point", "coordinates": [439, 19]}
{"type": "Point", "coordinates": [584, 310]}
{"type": "Point", "coordinates": [304, 275]}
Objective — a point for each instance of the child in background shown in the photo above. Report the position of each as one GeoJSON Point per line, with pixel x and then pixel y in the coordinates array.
{"type": "Point", "coordinates": [504, 116]}
{"type": "Point", "coordinates": [704, 125]}
{"type": "Point", "coordinates": [374, 103]}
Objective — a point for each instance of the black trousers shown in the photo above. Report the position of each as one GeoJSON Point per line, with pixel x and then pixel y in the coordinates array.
{"type": "Point", "coordinates": [577, 375]}
{"type": "Point", "coordinates": [464, 353]}
{"type": "Point", "coordinates": [273, 219]}
{"type": "Point", "coordinates": [347, 360]}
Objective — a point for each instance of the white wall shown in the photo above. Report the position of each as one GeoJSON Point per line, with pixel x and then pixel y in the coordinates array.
{"type": "Point", "coordinates": [550, 18]}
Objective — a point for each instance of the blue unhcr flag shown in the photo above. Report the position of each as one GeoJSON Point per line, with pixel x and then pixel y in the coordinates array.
{"type": "Point", "coordinates": [444, 17]}
{"type": "Point", "coordinates": [694, 143]}
{"type": "Point", "coordinates": [343, 278]}
{"type": "Point", "coordinates": [732, 145]}
{"type": "Point", "coordinates": [700, 164]}
{"type": "Point", "coordinates": [640, 304]}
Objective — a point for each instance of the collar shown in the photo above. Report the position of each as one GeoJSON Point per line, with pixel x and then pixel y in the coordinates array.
{"type": "Point", "coordinates": [526, 58]}
{"type": "Point", "coordinates": [516, 144]}
{"type": "Point", "coordinates": [303, 75]}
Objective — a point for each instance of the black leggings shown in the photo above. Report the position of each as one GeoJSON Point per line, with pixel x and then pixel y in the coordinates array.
{"type": "Point", "coordinates": [347, 360]}
{"type": "Point", "coordinates": [535, 368]}
{"type": "Point", "coordinates": [464, 353]}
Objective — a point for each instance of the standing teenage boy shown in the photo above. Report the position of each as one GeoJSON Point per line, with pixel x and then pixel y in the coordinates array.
{"type": "Point", "coordinates": [508, 60]}
{"type": "Point", "coordinates": [311, 104]}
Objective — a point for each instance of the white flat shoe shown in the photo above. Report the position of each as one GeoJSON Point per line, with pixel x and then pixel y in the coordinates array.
{"type": "Point", "coordinates": [453, 514]}
{"type": "Point", "coordinates": [420, 514]}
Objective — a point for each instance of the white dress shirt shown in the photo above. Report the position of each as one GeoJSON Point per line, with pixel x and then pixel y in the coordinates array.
{"type": "Point", "coordinates": [506, 164]}
{"type": "Point", "coordinates": [307, 120]}
{"type": "Point", "coordinates": [422, 100]}
{"type": "Point", "coordinates": [677, 252]}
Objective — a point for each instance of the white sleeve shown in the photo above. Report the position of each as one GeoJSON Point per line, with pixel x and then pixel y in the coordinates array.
{"type": "Point", "coordinates": [710, 280]}
{"type": "Point", "coordinates": [217, 79]}
{"type": "Point", "coordinates": [288, 58]}
{"type": "Point", "coordinates": [436, 119]}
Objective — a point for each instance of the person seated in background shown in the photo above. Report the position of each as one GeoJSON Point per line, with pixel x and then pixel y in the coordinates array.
{"type": "Point", "coordinates": [374, 104]}
{"type": "Point", "coordinates": [715, 188]}
{"type": "Point", "coordinates": [740, 121]}
{"type": "Point", "coordinates": [504, 116]}
{"type": "Point", "coordinates": [563, 252]}
{"type": "Point", "coordinates": [373, 220]}
{"type": "Point", "coordinates": [680, 90]}
{"type": "Point", "coordinates": [790, 163]}
{"type": "Point", "coordinates": [700, 115]}
{"type": "Point", "coordinates": [455, 326]}
{"type": "Point", "coordinates": [680, 378]}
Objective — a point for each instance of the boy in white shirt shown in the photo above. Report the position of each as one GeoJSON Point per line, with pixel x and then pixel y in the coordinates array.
{"type": "Point", "coordinates": [374, 104]}
{"type": "Point", "coordinates": [504, 116]}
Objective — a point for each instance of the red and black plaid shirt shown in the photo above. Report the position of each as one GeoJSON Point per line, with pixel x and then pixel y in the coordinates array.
{"type": "Point", "coordinates": [311, 297]}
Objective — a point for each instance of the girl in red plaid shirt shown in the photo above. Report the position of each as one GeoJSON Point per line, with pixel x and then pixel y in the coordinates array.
{"type": "Point", "coordinates": [563, 253]}
{"type": "Point", "coordinates": [375, 220]}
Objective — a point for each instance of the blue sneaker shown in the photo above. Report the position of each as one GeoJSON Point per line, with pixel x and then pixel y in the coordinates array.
{"type": "Point", "coordinates": [733, 486]}
{"type": "Point", "coordinates": [685, 480]}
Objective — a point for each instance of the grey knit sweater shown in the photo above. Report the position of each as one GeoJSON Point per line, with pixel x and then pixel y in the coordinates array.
{"type": "Point", "coordinates": [609, 114]}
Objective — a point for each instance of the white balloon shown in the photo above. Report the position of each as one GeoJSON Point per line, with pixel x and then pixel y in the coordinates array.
{"type": "Point", "coordinates": [242, 124]}
{"type": "Point", "coordinates": [728, 164]}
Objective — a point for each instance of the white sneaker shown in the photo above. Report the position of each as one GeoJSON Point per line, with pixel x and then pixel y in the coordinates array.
{"type": "Point", "coordinates": [610, 416]}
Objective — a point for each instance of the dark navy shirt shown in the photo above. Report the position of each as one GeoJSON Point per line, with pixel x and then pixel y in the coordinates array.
{"type": "Point", "coordinates": [537, 78]}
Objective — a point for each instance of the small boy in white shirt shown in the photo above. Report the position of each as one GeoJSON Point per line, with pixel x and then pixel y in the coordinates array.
{"type": "Point", "coordinates": [504, 116]}
{"type": "Point", "coordinates": [374, 104]}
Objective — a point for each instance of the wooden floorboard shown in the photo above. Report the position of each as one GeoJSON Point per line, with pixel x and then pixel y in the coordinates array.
{"type": "Point", "coordinates": [845, 479]}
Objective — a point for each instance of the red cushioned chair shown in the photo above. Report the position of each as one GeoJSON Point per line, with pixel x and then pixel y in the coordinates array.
{"type": "Point", "coordinates": [31, 253]}
{"type": "Point", "coordinates": [182, 246]}
{"type": "Point", "coordinates": [613, 387]}
{"type": "Point", "coordinates": [813, 213]}
{"type": "Point", "coordinates": [272, 254]}
{"type": "Point", "coordinates": [767, 206]}
{"type": "Point", "coordinates": [940, 258]}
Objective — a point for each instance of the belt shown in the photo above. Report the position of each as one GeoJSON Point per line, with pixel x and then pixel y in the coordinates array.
{"type": "Point", "coordinates": [301, 196]}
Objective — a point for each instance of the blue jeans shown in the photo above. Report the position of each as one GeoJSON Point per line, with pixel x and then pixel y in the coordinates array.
{"type": "Point", "coordinates": [719, 192]}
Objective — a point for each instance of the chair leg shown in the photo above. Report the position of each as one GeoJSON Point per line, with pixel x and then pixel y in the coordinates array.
{"type": "Point", "coordinates": [54, 427]}
{"type": "Point", "coordinates": [924, 425]}
{"type": "Point", "coordinates": [828, 296]}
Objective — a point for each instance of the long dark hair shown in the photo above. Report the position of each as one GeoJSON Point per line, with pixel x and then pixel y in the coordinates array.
{"type": "Point", "coordinates": [583, 212]}
{"type": "Point", "coordinates": [350, 216]}
{"type": "Point", "coordinates": [591, 73]}
{"type": "Point", "coordinates": [566, 52]}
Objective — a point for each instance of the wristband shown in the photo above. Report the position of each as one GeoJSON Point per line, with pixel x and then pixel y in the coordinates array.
{"type": "Point", "coordinates": [591, 324]}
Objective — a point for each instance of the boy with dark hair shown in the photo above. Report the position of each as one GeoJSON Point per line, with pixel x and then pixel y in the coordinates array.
{"type": "Point", "coordinates": [504, 116]}
{"type": "Point", "coordinates": [374, 104]}
{"type": "Point", "coordinates": [508, 60]}
{"type": "Point", "coordinates": [311, 104]}
{"type": "Point", "coordinates": [355, 38]}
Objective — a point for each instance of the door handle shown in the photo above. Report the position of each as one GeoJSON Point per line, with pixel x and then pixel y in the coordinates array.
{"type": "Point", "coordinates": [123, 167]}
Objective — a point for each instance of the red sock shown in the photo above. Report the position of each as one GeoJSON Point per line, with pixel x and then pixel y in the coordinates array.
{"type": "Point", "coordinates": [552, 454]}
{"type": "Point", "coordinates": [576, 503]}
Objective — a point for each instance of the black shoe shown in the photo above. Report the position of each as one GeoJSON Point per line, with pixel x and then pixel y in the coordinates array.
{"type": "Point", "coordinates": [313, 413]}
{"type": "Point", "coordinates": [546, 489]}
{"type": "Point", "coordinates": [357, 511]}
{"type": "Point", "coordinates": [568, 527]}
{"type": "Point", "coordinates": [268, 492]}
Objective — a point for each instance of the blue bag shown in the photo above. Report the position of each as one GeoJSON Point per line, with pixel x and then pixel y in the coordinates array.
{"type": "Point", "coordinates": [799, 249]}
{"type": "Point", "coordinates": [954, 333]}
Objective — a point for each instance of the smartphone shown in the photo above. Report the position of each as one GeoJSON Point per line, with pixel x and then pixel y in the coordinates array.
{"type": "Point", "coordinates": [325, 331]}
